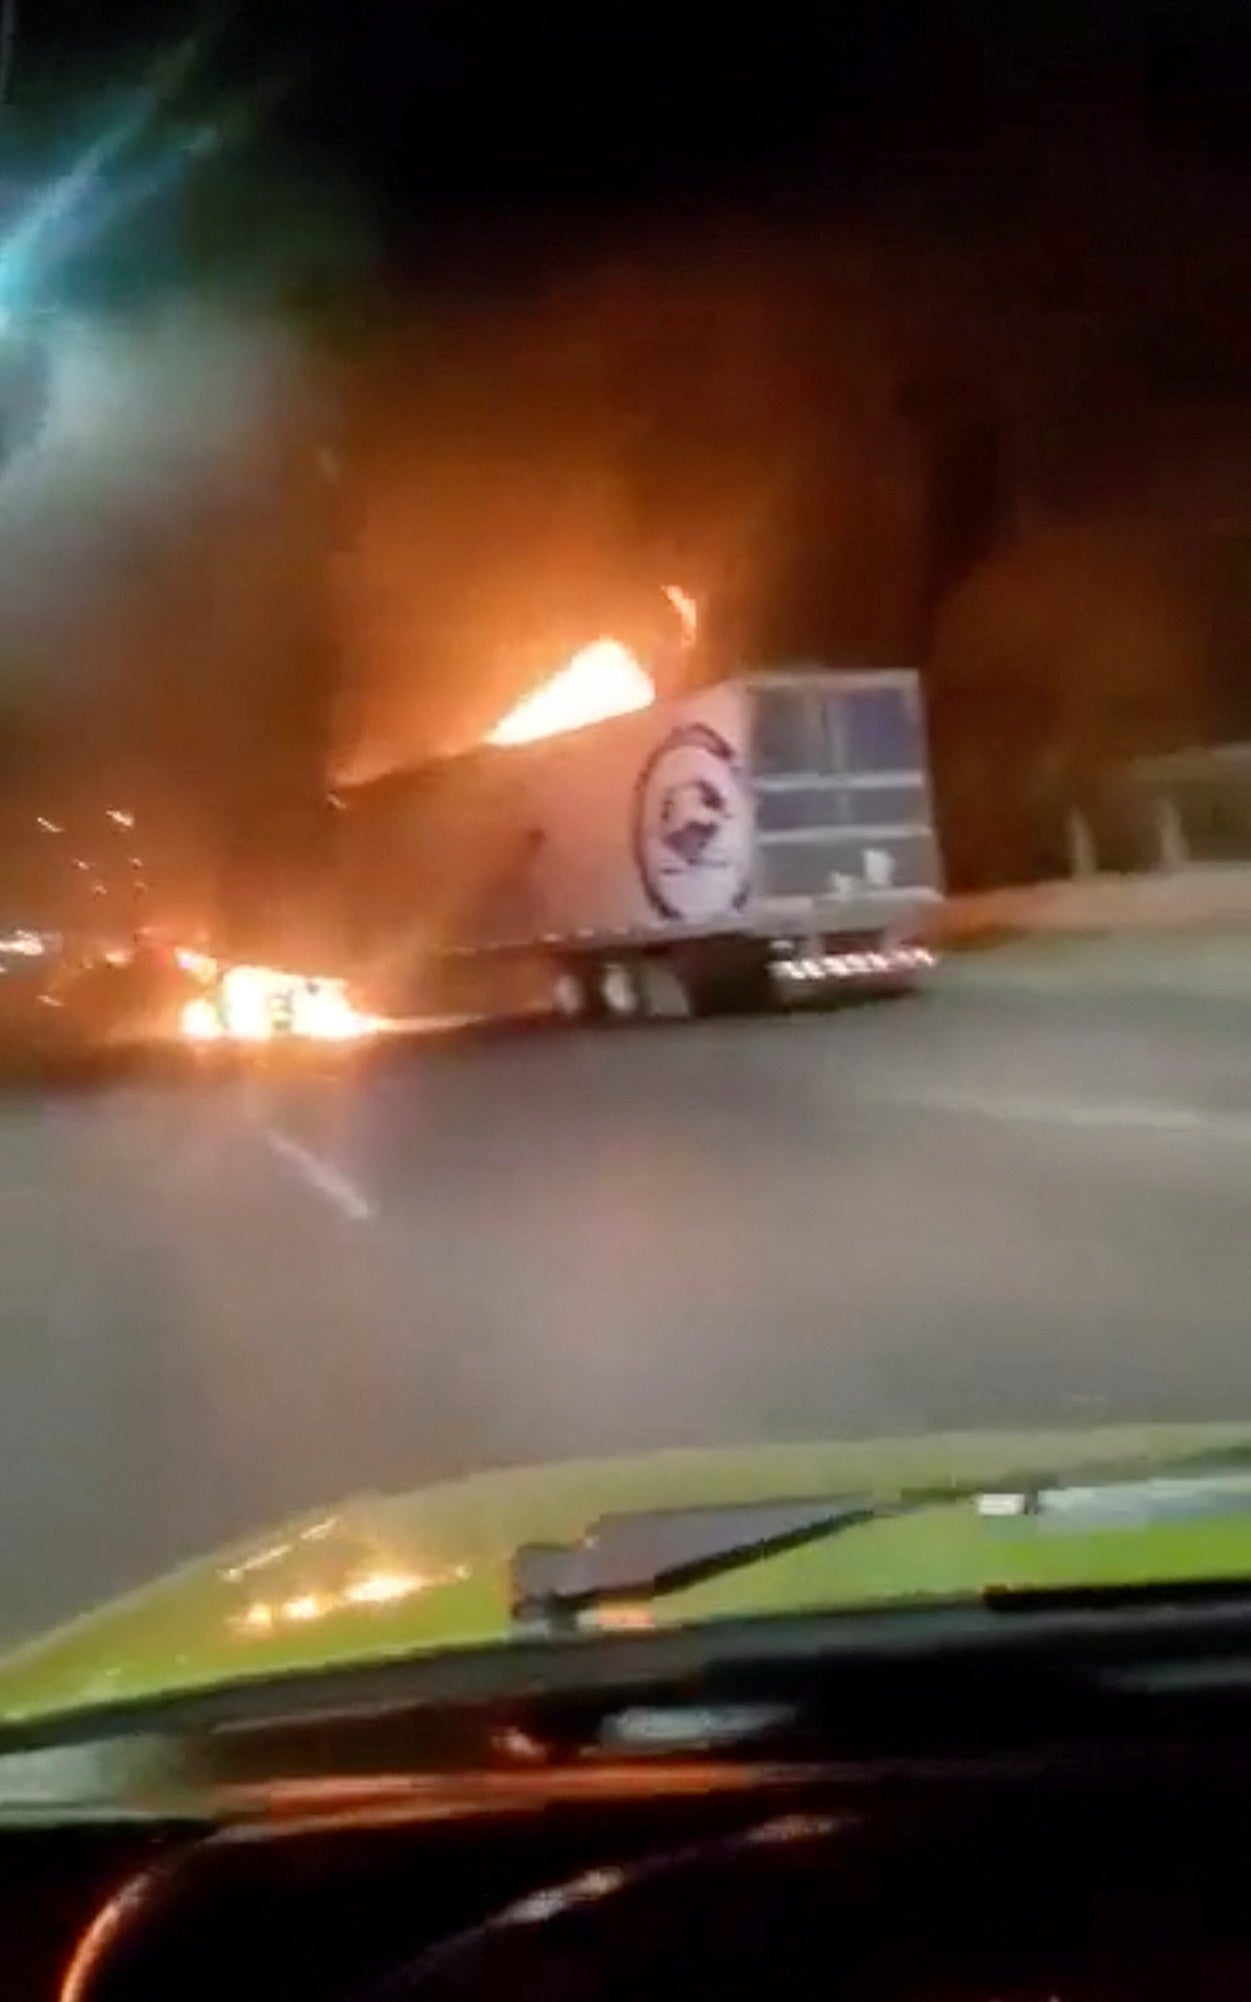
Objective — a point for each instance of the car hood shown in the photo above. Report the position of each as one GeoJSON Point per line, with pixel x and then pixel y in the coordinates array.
{"type": "Point", "coordinates": [380, 1576]}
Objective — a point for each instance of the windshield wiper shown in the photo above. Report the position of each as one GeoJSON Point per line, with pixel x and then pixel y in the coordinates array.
{"type": "Point", "coordinates": [637, 1556]}
{"type": "Point", "coordinates": [633, 1557]}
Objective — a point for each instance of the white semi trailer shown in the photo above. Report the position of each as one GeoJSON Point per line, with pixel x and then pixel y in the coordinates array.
{"type": "Point", "coordinates": [761, 840]}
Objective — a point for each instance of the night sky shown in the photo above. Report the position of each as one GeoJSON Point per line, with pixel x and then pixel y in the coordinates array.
{"type": "Point", "coordinates": [556, 127]}
{"type": "Point", "coordinates": [908, 333]}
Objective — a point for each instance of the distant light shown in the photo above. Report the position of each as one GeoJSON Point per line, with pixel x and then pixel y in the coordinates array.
{"type": "Point", "coordinates": [26, 944]}
{"type": "Point", "coordinates": [80, 863]}
{"type": "Point", "coordinates": [49, 826]}
{"type": "Point", "coordinates": [120, 816]}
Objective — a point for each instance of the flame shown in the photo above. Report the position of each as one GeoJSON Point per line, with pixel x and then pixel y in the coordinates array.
{"type": "Point", "coordinates": [603, 679]}
{"type": "Point", "coordinates": [323, 1010]}
{"type": "Point", "coordinates": [199, 1021]}
{"type": "Point", "coordinates": [252, 1004]}
{"type": "Point", "coordinates": [687, 610]}
{"type": "Point", "coordinates": [248, 996]}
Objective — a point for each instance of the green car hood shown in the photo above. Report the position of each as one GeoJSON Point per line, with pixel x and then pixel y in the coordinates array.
{"type": "Point", "coordinates": [383, 1576]}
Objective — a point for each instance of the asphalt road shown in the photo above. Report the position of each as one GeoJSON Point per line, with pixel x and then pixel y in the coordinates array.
{"type": "Point", "coordinates": [219, 1304]}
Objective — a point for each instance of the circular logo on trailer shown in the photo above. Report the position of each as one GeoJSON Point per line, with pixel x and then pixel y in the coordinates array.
{"type": "Point", "coordinates": [692, 827]}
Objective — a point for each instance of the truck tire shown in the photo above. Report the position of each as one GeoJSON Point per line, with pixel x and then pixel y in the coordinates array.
{"type": "Point", "coordinates": [620, 992]}
{"type": "Point", "coordinates": [573, 993]}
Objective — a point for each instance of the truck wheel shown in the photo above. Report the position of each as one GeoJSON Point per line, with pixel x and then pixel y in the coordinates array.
{"type": "Point", "coordinates": [573, 994]}
{"type": "Point", "coordinates": [619, 991]}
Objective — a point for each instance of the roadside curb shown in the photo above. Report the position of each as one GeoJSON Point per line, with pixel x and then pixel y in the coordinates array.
{"type": "Point", "coordinates": [1102, 967]}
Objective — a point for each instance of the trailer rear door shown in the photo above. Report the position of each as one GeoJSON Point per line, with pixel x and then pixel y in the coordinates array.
{"type": "Point", "coordinates": [842, 796]}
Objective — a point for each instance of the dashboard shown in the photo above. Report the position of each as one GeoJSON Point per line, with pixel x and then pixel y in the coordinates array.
{"type": "Point", "coordinates": [971, 1888]}
{"type": "Point", "coordinates": [1045, 1806]}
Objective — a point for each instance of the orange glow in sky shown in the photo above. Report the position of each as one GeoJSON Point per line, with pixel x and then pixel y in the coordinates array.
{"type": "Point", "coordinates": [603, 679]}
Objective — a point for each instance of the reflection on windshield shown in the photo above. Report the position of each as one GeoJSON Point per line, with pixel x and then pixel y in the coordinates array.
{"type": "Point", "coordinates": [374, 1588]}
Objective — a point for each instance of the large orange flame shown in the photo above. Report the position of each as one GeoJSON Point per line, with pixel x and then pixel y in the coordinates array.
{"type": "Point", "coordinates": [603, 679]}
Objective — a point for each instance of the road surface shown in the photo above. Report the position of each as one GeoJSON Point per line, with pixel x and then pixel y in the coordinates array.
{"type": "Point", "coordinates": [224, 1303]}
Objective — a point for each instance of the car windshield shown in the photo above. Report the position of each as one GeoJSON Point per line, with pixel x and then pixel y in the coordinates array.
{"type": "Point", "coordinates": [625, 767]}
